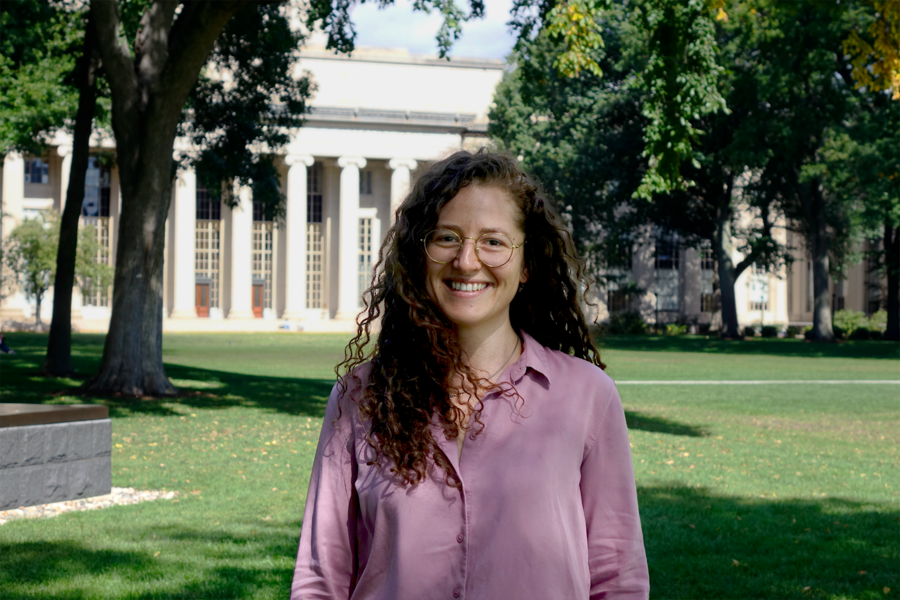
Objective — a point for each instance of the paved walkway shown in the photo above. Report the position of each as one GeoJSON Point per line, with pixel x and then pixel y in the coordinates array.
{"type": "Point", "coordinates": [760, 382]}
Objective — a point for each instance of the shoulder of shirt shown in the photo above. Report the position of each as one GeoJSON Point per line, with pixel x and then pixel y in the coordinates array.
{"type": "Point", "coordinates": [568, 369]}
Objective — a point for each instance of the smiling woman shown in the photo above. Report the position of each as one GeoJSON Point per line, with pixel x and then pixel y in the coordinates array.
{"type": "Point", "coordinates": [482, 343]}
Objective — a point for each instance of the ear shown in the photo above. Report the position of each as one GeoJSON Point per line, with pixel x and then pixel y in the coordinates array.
{"type": "Point", "coordinates": [523, 278]}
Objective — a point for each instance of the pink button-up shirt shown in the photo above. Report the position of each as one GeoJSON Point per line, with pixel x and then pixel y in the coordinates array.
{"type": "Point", "coordinates": [547, 510]}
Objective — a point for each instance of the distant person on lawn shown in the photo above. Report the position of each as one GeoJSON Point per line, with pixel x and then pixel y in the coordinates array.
{"type": "Point", "coordinates": [4, 348]}
{"type": "Point", "coordinates": [477, 449]}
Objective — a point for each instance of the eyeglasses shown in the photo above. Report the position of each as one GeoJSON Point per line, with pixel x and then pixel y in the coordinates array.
{"type": "Point", "coordinates": [492, 249]}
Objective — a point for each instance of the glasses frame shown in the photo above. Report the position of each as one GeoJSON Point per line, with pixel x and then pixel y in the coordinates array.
{"type": "Point", "coordinates": [462, 240]}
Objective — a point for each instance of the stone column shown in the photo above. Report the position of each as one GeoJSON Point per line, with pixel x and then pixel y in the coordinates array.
{"type": "Point", "coordinates": [399, 182]}
{"type": "Point", "coordinates": [13, 305]}
{"type": "Point", "coordinates": [241, 240]}
{"type": "Point", "coordinates": [66, 153]}
{"type": "Point", "coordinates": [348, 234]}
{"type": "Point", "coordinates": [295, 237]}
{"type": "Point", "coordinates": [183, 231]}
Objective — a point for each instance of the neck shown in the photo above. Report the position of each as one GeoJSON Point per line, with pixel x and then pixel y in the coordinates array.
{"type": "Point", "coordinates": [486, 351]}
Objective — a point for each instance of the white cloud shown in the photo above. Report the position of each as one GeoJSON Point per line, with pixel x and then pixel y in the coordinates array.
{"type": "Point", "coordinates": [399, 26]}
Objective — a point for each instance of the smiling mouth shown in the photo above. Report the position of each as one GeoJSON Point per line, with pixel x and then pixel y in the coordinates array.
{"type": "Point", "coordinates": [467, 287]}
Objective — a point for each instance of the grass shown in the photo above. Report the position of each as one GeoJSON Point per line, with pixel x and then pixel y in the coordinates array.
{"type": "Point", "coordinates": [763, 491]}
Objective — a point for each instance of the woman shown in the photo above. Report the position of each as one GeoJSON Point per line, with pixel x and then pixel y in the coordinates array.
{"type": "Point", "coordinates": [478, 451]}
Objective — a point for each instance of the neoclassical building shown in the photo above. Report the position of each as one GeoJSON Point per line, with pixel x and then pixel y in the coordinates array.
{"type": "Point", "coordinates": [375, 118]}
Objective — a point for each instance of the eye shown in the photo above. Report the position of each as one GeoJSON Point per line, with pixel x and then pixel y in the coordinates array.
{"type": "Point", "coordinates": [494, 242]}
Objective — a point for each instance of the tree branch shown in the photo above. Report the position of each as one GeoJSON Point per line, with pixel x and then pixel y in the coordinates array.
{"type": "Point", "coordinates": [152, 41]}
{"type": "Point", "coordinates": [190, 41]}
{"type": "Point", "coordinates": [117, 61]}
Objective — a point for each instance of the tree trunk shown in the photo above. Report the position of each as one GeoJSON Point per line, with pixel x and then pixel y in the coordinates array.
{"type": "Point", "coordinates": [149, 89]}
{"type": "Point", "coordinates": [891, 246]}
{"type": "Point", "coordinates": [722, 247]}
{"type": "Point", "coordinates": [37, 311]}
{"type": "Point", "coordinates": [818, 250]}
{"type": "Point", "coordinates": [58, 361]}
{"type": "Point", "coordinates": [132, 355]}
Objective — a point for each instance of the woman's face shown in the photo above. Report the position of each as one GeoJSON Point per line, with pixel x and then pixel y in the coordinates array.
{"type": "Point", "coordinates": [470, 294]}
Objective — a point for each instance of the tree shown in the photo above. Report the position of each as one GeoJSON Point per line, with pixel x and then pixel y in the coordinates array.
{"type": "Point", "coordinates": [583, 138]}
{"type": "Point", "coordinates": [150, 87]}
{"type": "Point", "coordinates": [30, 253]}
{"type": "Point", "coordinates": [808, 90]}
{"type": "Point", "coordinates": [37, 41]}
{"type": "Point", "coordinates": [58, 360]}
{"type": "Point", "coordinates": [862, 165]}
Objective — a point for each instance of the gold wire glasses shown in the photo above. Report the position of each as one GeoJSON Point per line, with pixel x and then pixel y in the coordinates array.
{"type": "Point", "coordinates": [492, 249]}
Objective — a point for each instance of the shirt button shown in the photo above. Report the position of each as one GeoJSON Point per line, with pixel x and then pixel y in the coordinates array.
{"type": "Point", "coordinates": [459, 538]}
{"type": "Point", "coordinates": [472, 437]}
{"type": "Point", "coordinates": [456, 593]}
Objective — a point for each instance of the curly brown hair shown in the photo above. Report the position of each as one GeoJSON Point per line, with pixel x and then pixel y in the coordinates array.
{"type": "Point", "coordinates": [417, 352]}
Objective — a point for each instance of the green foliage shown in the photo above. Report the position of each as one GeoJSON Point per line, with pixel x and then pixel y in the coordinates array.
{"type": "Point", "coordinates": [257, 108]}
{"type": "Point", "coordinates": [675, 329]}
{"type": "Point", "coordinates": [30, 253]}
{"type": "Point", "coordinates": [681, 77]}
{"type": "Point", "coordinates": [878, 321]}
{"type": "Point", "coordinates": [768, 331]}
{"type": "Point", "coordinates": [577, 23]}
{"type": "Point", "coordinates": [750, 331]}
{"type": "Point", "coordinates": [860, 333]}
{"type": "Point", "coordinates": [850, 320]}
{"type": "Point", "coordinates": [38, 42]}
{"type": "Point", "coordinates": [629, 322]}
{"type": "Point", "coordinates": [580, 136]}
{"type": "Point", "coordinates": [792, 331]}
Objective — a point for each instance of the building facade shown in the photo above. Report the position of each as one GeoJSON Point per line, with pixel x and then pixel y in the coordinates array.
{"type": "Point", "coordinates": [375, 118]}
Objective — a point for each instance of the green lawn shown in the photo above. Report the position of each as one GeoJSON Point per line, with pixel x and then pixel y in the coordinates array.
{"type": "Point", "coordinates": [762, 491]}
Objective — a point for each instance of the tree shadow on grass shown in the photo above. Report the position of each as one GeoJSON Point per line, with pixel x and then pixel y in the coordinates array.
{"type": "Point", "coordinates": [209, 389]}
{"type": "Point", "coordinates": [201, 388]}
{"type": "Point", "coordinates": [219, 565]}
{"type": "Point", "coordinates": [641, 422]}
{"type": "Point", "coordinates": [757, 346]}
{"type": "Point", "coordinates": [704, 545]}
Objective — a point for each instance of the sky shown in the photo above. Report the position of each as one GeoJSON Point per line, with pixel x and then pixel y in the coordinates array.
{"type": "Point", "coordinates": [398, 26]}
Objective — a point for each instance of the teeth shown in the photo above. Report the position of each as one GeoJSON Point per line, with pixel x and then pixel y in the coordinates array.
{"type": "Point", "coordinates": [467, 287]}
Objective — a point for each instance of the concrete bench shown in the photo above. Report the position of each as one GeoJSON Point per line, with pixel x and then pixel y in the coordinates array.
{"type": "Point", "coordinates": [53, 453]}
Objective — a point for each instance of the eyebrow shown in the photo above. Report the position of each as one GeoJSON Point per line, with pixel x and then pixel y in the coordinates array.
{"type": "Point", "coordinates": [481, 232]}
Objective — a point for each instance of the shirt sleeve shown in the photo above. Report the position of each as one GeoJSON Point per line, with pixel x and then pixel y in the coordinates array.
{"type": "Point", "coordinates": [616, 558]}
{"type": "Point", "coordinates": [327, 561]}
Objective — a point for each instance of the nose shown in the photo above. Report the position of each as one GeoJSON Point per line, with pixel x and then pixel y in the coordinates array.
{"type": "Point", "coordinates": [467, 259]}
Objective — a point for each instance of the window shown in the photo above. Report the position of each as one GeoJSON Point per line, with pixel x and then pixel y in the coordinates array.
{"type": "Point", "coordinates": [365, 255]}
{"type": "Point", "coordinates": [36, 171]}
{"type": "Point", "coordinates": [315, 238]}
{"type": "Point", "coordinates": [95, 295]}
{"type": "Point", "coordinates": [96, 190]}
{"type": "Point", "coordinates": [759, 289]}
{"type": "Point", "coordinates": [667, 253]}
{"type": "Point", "coordinates": [710, 303]}
{"type": "Point", "coordinates": [617, 301]}
{"type": "Point", "coordinates": [365, 182]}
{"type": "Point", "coordinates": [207, 238]}
{"type": "Point", "coordinates": [209, 208]}
{"type": "Point", "coordinates": [261, 260]}
{"type": "Point", "coordinates": [707, 259]}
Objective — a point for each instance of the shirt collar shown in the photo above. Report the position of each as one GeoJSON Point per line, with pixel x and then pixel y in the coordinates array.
{"type": "Point", "coordinates": [534, 357]}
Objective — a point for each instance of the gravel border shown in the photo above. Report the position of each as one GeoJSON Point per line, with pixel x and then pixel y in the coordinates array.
{"type": "Point", "coordinates": [117, 496]}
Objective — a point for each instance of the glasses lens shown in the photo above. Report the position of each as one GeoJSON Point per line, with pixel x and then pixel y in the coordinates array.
{"type": "Point", "coordinates": [494, 249]}
{"type": "Point", "coordinates": [442, 245]}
